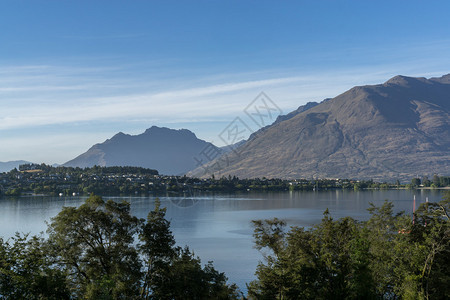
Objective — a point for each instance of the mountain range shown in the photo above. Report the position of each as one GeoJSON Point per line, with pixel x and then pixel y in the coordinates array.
{"type": "Point", "coordinates": [170, 151]}
{"type": "Point", "coordinates": [396, 130]}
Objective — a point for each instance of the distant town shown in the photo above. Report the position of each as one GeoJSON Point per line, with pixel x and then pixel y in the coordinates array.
{"type": "Point", "coordinates": [35, 179]}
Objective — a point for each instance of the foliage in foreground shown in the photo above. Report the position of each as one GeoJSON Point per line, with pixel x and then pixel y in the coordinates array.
{"type": "Point", "coordinates": [388, 257]}
{"type": "Point", "coordinates": [91, 253]}
{"type": "Point", "coordinates": [101, 251]}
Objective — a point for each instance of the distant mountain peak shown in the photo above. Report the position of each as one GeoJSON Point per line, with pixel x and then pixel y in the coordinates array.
{"type": "Point", "coordinates": [155, 129]}
{"type": "Point", "coordinates": [170, 151]}
{"type": "Point", "coordinates": [405, 80]}
{"type": "Point", "coordinates": [120, 135]}
{"type": "Point", "coordinates": [166, 130]}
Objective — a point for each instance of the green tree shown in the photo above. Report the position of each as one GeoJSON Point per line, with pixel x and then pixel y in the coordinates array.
{"type": "Point", "coordinates": [157, 249]}
{"type": "Point", "coordinates": [380, 231]}
{"type": "Point", "coordinates": [172, 272]}
{"type": "Point", "coordinates": [94, 245]}
{"type": "Point", "coordinates": [91, 254]}
{"type": "Point", "coordinates": [318, 263]}
{"type": "Point", "coordinates": [425, 181]}
{"type": "Point", "coordinates": [425, 272]}
{"type": "Point", "coordinates": [186, 279]}
{"type": "Point", "coordinates": [272, 283]}
{"type": "Point", "coordinates": [387, 257]}
{"type": "Point", "coordinates": [27, 270]}
{"type": "Point", "coordinates": [415, 182]}
{"type": "Point", "coordinates": [436, 180]}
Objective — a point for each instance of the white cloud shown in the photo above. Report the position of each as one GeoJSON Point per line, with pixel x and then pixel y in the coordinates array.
{"type": "Point", "coordinates": [32, 97]}
{"type": "Point", "coordinates": [31, 106]}
{"type": "Point", "coordinates": [206, 101]}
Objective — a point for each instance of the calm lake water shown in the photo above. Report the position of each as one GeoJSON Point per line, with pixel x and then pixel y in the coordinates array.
{"type": "Point", "coordinates": [218, 227]}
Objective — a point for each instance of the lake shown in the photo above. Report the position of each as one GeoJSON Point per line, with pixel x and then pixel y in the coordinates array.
{"type": "Point", "coordinates": [218, 227]}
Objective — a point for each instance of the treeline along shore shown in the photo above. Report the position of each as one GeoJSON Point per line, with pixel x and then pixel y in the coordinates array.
{"type": "Point", "coordinates": [34, 179]}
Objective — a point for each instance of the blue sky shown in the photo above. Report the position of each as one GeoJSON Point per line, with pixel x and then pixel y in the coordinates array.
{"type": "Point", "coordinates": [74, 73]}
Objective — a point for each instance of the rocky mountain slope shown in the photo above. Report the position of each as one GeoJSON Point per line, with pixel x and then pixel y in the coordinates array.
{"type": "Point", "coordinates": [395, 130]}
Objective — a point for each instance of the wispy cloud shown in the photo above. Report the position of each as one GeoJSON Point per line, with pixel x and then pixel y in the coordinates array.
{"type": "Point", "coordinates": [50, 99]}
{"type": "Point", "coordinates": [67, 98]}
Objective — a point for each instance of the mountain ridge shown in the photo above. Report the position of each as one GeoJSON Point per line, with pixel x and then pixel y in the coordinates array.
{"type": "Point", "coordinates": [393, 130]}
{"type": "Point", "coordinates": [170, 151]}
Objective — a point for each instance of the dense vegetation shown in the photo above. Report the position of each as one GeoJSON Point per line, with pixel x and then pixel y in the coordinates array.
{"type": "Point", "coordinates": [100, 251]}
{"type": "Point", "coordinates": [42, 179]}
{"type": "Point", "coordinates": [387, 257]}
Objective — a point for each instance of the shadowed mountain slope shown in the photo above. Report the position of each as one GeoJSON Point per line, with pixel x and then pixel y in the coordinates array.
{"type": "Point", "coordinates": [169, 151]}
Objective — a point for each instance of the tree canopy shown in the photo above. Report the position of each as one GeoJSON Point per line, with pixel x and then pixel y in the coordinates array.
{"type": "Point", "coordinates": [390, 256]}
{"type": "Point", "coordinates": [100, 251]}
